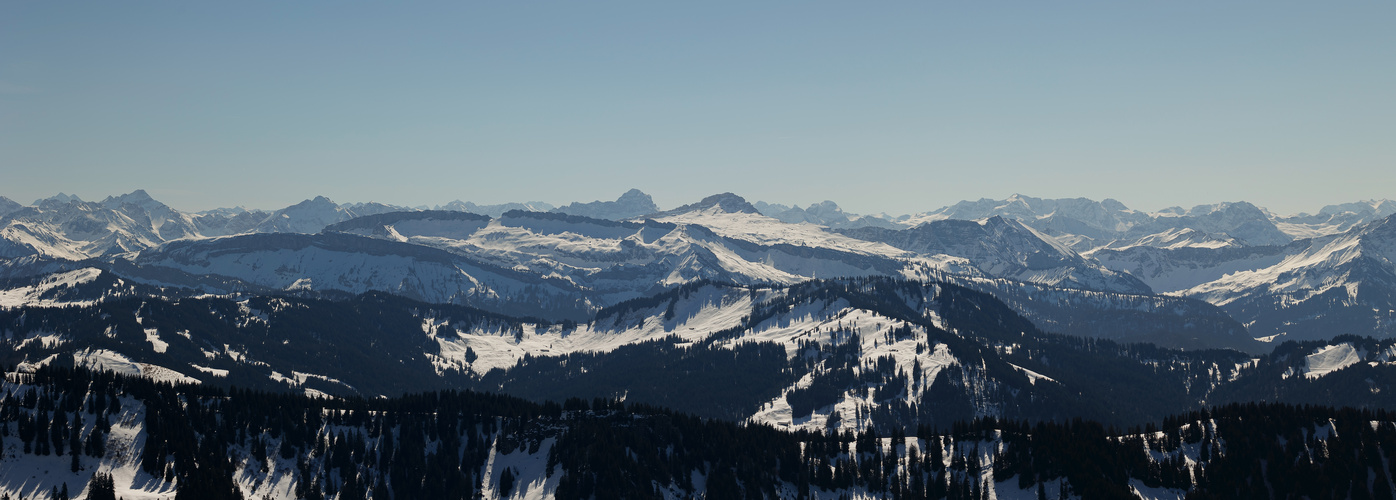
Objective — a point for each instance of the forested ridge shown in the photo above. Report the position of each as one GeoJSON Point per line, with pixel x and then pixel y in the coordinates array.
{"type": "Point", "coordinates": [1116, 383]}
{"type": "Point", "coordinates": [210, 443]}
{"type": "Point", "coordinates": [377, 344]}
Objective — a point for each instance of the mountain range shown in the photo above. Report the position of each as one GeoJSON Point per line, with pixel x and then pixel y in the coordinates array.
{"type": "Point", "coordinates": [802, 322]}
{"type": "Point", "coordinates": [1272, 274]}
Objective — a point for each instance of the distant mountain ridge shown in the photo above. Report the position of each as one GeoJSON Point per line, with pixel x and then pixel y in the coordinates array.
{"type": "Point", "coordinates": [1086, 224]}
{"type": "Point", "coordinates": [1006, 248]}
{"type": "Point", "coordinates": [607, 251]}
{"type": "Point", "coordinates": [634, 203]}
{"type": "Point", "coordinates": [724, 202]}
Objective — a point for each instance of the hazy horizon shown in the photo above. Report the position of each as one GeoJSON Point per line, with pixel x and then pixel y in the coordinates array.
{"type": "Point", "coordinates": [896, 108]}
{"type": "Point", "coordinates": [662, 205]}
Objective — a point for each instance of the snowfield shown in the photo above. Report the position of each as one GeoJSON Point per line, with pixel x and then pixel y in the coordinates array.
{"type": "Point", "coordinates": [37, 294]}
{"type": "Point", "coordinates": [1330, 359]}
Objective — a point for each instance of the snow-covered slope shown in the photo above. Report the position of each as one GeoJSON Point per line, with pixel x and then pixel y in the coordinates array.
{"type": "Point", "coordinates": [763, 230]}
{"type": "Point", "coordinates": [1212, 252]}
{"type": "Point", "coordinates": [1174, 239]}
{"type": "Point", "coordinates": [309, 216]}
{"type": "Point", "coordinates": [1340, 284]}
{"type": "Point", "coordinates": [1328, 359]}
{"type": "Point", "coordinates": [76, 229]}
{"type": "Point", "coordinates": [65, 227]}
{"type": "Point", "coordinates": [559, 266]}
{"type": "Point", "coordinates": [1005, 248]}
{"type": "Point", "coordinates": [1085, 225]}
{"type": "Point", "coordinates": [1333, 219]}
{"type": "Point", "coordinates": [167, 223]}
{"type": "Point", "coordinates": [229, 221]}
{"type": "Point", "coordinates": [354, 264]}
{"type": "Point", "coordinates": [1248, 224]}
{"type": "Point", "coordinates": [1180, 268]}
{"type": "Point", "coordinates": [616, 260]}
{"type": "Point", "coordinates": [1084, 222]}
{"type": "Point", "coordinates": [48, 290]}
{"type": "Point", "coordinates": [622, 260]}
{"type": "Point", "coordinates": [1173, 322]}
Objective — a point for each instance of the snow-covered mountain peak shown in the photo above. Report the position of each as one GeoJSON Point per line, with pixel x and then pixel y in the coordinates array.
{"type": "Point", "coordinates": [1232, 209]}
{"type": "Point", "coordinates": [1077, 216]}
{"type": "Point", "coordinates": [7, 205]}
{"type": "Point", "coordinates": [771, 209]}
{"type": "Point", "coordinates": [1380, 207]}
{"type": "Point", "coordinates": [826, 213]}
{"type": "Point", "coordinates": [634, 203]}
{"type": "Point", "coordinates": [495, 210]}
{"type": "Point", "coordinates": [634, 194]}
{"type": "Point", "coordinates": [1334, 219]}
{"type": "Point", "coordinates": [1379, 240]}
{"type": "Point", "coordinates": [1301, 276]}
{"type": "Point", "coordinates": [142, 201]}
{"type": "Point", "coordinates": [137, 197]}
{"type": "Point", "coordinates": [309, 216]}
{"type": "Point", "coordinates": [1319, 287]}
{"type": "Point", "coordinates": [77, 230]}
{"type": "Point", "coordinates": [225, 211]}
{"type": "Point", "coordinates": [1243, 222]}
{"type": "Point", "coordinates": [1086, 225]}
{"type": "Point", "coordinates": [1113, 204]}
{"type": "Point", "coordinates": [724, 202]}
{"type": "Point", "coordinates": [826, 209]}
{"type": "Point", "coordinates": [60, 198]}
{"type": "Point", "coordinates": [373, 208]}
{"type": "Point", "coordinates": [1004, 247]}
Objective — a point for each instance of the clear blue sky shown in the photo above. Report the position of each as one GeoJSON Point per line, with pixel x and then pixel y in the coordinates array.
{"type": "Point", "coordinates": [882, 106]}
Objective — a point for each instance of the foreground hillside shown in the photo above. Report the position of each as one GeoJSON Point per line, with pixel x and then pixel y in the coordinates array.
{"type": "Point", "coordinates": [79, 434]}
{"type": "Point", "coordinates": [822, 355]}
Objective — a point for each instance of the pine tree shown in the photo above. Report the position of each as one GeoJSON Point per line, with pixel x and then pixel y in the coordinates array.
{"type": "Point", "coordinates": [102, 487]}
{"type": "Point", "coordinates": [506, 482]}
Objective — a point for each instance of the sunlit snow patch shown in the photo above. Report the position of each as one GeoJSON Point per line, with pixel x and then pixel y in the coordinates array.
{"type": "Point", "coordinates": [1033, 376]}
{"type": "Point", "coordinates": [152, 335]}
{"type": "Point", "coordinates": [1331, 358]}
{"type": "Point", "coordinates": [32, 295]}
{"type": "Point", "coordinates": [104, 360]}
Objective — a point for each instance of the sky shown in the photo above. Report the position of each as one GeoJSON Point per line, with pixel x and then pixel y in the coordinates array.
{"type": "Point", "coordinates": [896, 107]}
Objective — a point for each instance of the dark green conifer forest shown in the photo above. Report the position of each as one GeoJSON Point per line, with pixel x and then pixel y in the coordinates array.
{"type": "Point", "coordinates": [450, 444]}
